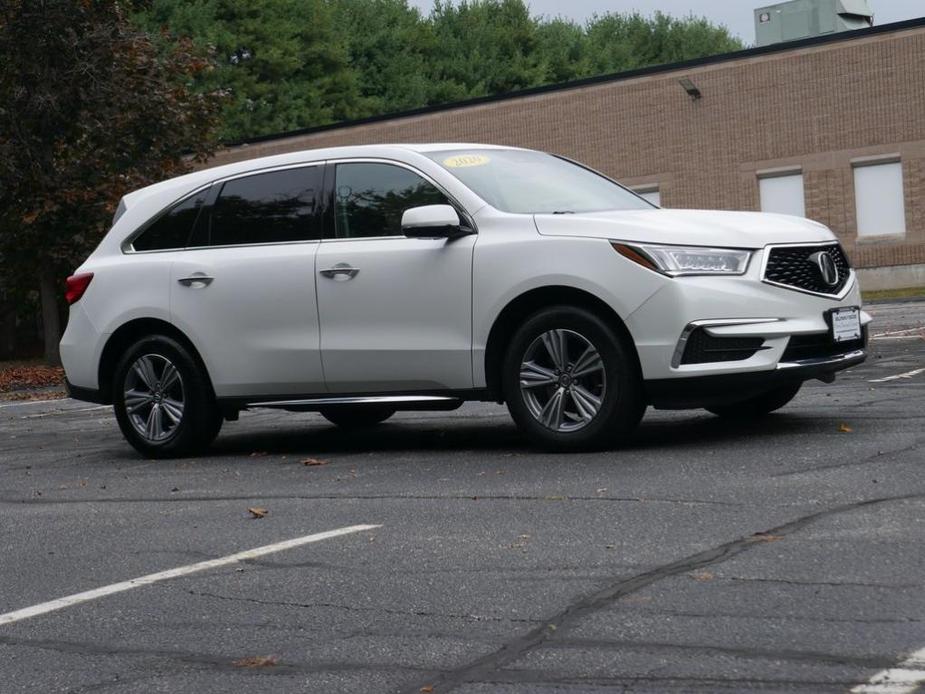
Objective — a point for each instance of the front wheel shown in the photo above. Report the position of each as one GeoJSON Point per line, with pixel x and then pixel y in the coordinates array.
{"type": "Point", "coordinates": [570, 382]}
{"type": "Point", "coordinates": [758, 406]}
{"type": "Point", "coordinates": [163, 401]}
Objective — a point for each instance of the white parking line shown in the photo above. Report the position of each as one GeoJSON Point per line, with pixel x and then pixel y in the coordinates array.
{"type": "Point", "coordinates": [899, 332]}
{"type": "Point", "coordinates": [75, 410]}
{"type": "Point", "coordinates": [903, 679]}
{"type": "Point", "coordinates": [77, 598]}
{"type": "Point", "coordinates": [31, 402]}
{"type": "Point", "coordinates": [908, 374]}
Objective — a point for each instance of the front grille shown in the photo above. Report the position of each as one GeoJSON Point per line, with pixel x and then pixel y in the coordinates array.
{"type": "Point", "coordinates": [796, 267]}
{"type": "Point", "coordinates": [702, 348]}
{"type": "Point", "coordinates": [820, 346]}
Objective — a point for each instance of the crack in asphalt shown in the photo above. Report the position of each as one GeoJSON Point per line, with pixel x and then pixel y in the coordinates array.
{"type": "Point", "coordinates": [867, 662]}
{"type": "Point", "coordinates": [351, 608]}
{"type": "Point", "coordinates": [484, 668]}
{"type": "Point", "coordinates": [710, 684]}
{"type": "Point", "coordinates": [833, 584]}
{"type": "Point", "coordinates": [210, 660]}
{"type": "Point", "coordinates": [782, 618]}
{"type": "Point", "coordinates": [879, 454]}
{"type": "Point", "coordinates": [37, 501]}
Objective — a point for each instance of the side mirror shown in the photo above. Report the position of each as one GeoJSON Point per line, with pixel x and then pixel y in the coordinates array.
{"type": "Point", "coordinates": [432, 222]}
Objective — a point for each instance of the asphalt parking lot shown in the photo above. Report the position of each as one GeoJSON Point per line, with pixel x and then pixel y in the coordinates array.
{"type": "Point", "coordinates": [786, 555]}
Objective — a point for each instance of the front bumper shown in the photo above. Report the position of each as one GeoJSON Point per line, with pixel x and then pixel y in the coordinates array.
{"type": "Point", "coordinates": [739, 309]}
{"type": "Point", "coordinates": [724, 389]}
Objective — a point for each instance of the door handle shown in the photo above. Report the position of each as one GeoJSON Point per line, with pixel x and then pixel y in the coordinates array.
{"type": "Point", "coordinates": [341, 270]}
{"type": "Point", "coordinates": [194, 280]}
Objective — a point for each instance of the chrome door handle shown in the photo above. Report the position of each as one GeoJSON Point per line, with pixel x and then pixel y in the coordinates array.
{"type": "Point", "coordinates": [196, 279]}
{"type": "Point", "coordinates": [340, 270]}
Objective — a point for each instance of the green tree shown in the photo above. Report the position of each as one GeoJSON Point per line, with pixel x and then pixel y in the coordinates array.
{"type": "Point", "coordinates": [563, 51]}
{"type": "Point", "coordinates": [391, 48]}
{"type": "Point", "coordinates": [628, 41]}
{"type": "Point", "coordinates": [283, 63]}
{"type": "Point", "coordinates": [89, 109]}
{"type": "Point", "coordinates": [485, 47]}
{"type": "Point", "coordinates": [291, 64]}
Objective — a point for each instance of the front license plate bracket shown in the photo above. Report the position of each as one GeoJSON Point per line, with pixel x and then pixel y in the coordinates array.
{"type": "Point", "coordinates": [845, 324]}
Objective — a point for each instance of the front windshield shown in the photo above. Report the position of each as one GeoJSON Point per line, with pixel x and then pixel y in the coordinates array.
{"type": "Point", "coordinates": [529, 182]}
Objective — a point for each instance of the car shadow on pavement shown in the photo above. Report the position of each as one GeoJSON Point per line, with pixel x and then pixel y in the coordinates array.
{"type": "Point", "coordinates": [459, 435]}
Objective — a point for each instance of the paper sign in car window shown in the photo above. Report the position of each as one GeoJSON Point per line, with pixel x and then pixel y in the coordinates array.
{"type": "Point", "coordinates": [461, 161]}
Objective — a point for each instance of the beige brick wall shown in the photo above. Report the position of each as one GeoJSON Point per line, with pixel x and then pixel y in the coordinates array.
{"type": "Point", "coordinates": [819, 108]}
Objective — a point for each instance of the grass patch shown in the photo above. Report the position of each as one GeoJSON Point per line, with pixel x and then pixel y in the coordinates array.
{"type": "Point", "coordinates": [882, 294]}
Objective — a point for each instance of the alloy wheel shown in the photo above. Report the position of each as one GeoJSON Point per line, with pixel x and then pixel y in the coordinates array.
{"type": "Point", "coordinates": [562, 380]}
{"type": "Point", "coordinates": [154, 397]}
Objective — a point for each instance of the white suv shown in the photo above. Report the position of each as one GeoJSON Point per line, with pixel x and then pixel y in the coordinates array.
{"type": "Point", "coordinates": [359, 281]}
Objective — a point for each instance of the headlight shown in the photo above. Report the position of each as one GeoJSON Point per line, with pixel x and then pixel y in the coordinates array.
{"type": "Point", "coordinates": [676, 261]}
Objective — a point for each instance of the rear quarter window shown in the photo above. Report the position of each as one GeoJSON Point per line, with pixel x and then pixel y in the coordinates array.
{"type": "Point", "coordinates": [172, 229]}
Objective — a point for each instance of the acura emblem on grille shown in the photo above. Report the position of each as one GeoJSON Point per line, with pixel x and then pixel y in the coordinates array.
{"type": "Point", "coordinates": [827, 268]}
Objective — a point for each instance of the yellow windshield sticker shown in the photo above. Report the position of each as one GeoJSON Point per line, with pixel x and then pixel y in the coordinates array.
{"type": "Point", "coordinates": [461, 161]}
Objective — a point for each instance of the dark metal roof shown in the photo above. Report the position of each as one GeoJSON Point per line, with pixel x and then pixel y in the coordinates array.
{"type": "Point", "coordinates": [598, 79]}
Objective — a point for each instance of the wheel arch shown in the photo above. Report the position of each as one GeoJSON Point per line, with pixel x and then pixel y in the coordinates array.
{"type": "Point", "coordinates": [521, 307]}
{"type": "Point", "coordinates": [130, 332]}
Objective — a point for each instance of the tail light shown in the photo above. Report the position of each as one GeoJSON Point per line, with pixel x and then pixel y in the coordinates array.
{"type": "Point", "coordinates": [76, 286]}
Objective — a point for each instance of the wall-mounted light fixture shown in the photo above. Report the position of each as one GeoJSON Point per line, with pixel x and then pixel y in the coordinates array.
{"type": "Point", "coordinates": [690, 88]}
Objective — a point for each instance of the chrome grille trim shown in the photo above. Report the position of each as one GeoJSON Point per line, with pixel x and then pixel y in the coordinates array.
{"type": "Point", "coordinates": [841, 294]}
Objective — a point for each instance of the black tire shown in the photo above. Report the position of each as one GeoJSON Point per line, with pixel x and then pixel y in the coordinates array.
{"type": "Point", "coordinates": [621, 404]}
{"type": "Point", "coordinates": [200, 419]}
{"type": "Point", "coordinates": [357, 416]}
{"type": "Point", "coordinates": [758, 406]}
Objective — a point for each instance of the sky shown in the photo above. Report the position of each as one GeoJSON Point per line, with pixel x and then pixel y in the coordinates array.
{"type": "Point", "coordinates": [737, 15]}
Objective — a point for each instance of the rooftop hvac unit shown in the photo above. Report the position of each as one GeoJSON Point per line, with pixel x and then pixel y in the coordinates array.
{"type": "Point", "coordinates": [802, 19]}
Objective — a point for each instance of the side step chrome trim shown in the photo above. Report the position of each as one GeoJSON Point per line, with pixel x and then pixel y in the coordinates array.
{"type": "Point", "coordinates": [368, 400]}
{"type": "Point", "coordinates": [850, 358]}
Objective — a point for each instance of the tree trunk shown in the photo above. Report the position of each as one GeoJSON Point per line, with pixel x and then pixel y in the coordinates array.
{"type": "Point", "coordinates": [51, 320]}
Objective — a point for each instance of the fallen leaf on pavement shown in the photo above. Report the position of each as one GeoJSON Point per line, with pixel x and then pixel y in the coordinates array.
{"type": "Point", "coordinates": [256, 661]}
{"type": "Point", "coordinates": [427, 689]}
{"type": "Point", "coordinates": [257, 512]}
{"type": "Point", "coordinates": [29, 376]}
{"type": "Point", "coordinates": [703, 576]}
{"type": "Point", "coordinates": [845, 429]}
{"type": "Point", "coordinates": [314, 461]}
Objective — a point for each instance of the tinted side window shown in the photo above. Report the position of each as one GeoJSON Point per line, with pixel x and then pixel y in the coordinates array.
{"type": "Point", "coordinates": [370, 198]}
{"type": "Point", "coordinates": [272, 207]}
{"type": "Point", "coordinates": [172, 229]}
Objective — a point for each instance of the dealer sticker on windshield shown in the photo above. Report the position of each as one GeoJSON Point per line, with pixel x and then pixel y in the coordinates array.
{"type": "Point", "coordinates": [461, 161]}
{"type": "Point", "coordinates": [846, 324]}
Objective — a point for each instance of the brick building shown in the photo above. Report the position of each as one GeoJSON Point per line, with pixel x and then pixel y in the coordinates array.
{"type": "Point", "coordinates": [830, 127]}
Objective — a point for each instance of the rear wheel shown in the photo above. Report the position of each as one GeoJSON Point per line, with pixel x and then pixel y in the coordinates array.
{"type": "Point", "coordinates": [758, 406]}
{"type": "Point", "coordinates": [356, 416]}
{"type": "Point", "coordinates": [569, 382]}
{"type": "Point", "coordinates": [163, 402]}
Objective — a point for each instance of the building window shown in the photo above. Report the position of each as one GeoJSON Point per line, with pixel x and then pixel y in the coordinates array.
{"type": "Point", "coordinates": [782, 193]}
{"type": "Point", "coordinates": [879, 198]}
{"type": "Point", "coordinates": [650, 193]}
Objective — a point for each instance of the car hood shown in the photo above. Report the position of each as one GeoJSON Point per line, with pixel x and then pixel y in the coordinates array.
{"type": "Point", "coordinates": [686, 227]}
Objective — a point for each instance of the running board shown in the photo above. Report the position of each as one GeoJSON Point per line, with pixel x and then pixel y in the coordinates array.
{"type": "Point", "coordinates": [400, 402]}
